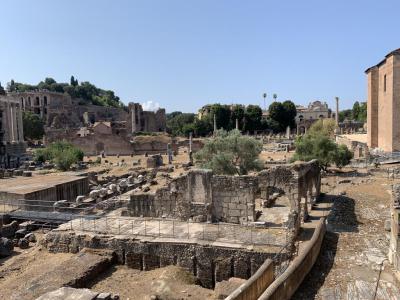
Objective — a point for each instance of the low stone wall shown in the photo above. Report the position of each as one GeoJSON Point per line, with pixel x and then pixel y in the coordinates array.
{"type": "Point", "coordinates": [262, 285]}
{"type": "Point", "coordinates": [201, 196]}
{"type": "Point", "coordinates": [256, 284]}
{"type": "Point", "coordinates": [359, 149]}
{"type": "Point", "coordinates": [394, 247]}
{"type": "Point", "coordinates": [286, 285]}
{"type": "Point", "coordinates": [209, 264]}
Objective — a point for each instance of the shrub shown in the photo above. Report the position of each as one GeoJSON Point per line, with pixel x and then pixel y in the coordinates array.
{"type": "Point", "coordinates": [317, 144]}
{"type": "Point", "coordinates": [63, 154]}
{"type": "Point", "coordinates": [230, 153]}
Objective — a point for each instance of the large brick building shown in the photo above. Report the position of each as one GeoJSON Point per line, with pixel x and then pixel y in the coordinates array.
{"type": "Point", "coordinates": [383, 119]}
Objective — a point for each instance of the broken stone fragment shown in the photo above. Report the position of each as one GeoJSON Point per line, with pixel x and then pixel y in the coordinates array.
{"type": "Point", "coordinates": [23, 243]}
{"type": "Point", "coordinates": [6, 247]}
{"type": "Point", "coordinates": [31, 237]}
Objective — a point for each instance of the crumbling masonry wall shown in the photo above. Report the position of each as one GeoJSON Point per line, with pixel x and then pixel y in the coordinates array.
{"type": "Point", "coordinates": [209, 264]}
{"type": "Point", "coordinates": [394, 248]}
{"type": "Point", "coordinates": [202, 196]}
{"type": "Point", "coordinates": [234, 198]}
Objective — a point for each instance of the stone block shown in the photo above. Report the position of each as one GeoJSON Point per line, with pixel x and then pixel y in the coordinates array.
{"type": "Point", "coordinates": [232, 206]}
{"type": "Point", "coordinates": [134, 260]}
{"type": "Point", "coordinates": [104, 296]}
{"type": "Point", "coordinates": [6, 247]}
{"type": "Point", "coordinates": [150, 262]}
{"type": "Point", "coordinates": [223, 269]}
{"type": "Point", "coordinates": [241, 268]}
{"type": "Point", "coordinates": [234, 213]}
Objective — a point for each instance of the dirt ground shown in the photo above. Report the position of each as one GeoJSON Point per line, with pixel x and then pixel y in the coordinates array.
{"type": "Point", "coordinates": [23, 265]}
{"type": "Point", "coordinates": [353, 260]}
{"type": "Point", "coordinates": [170, 282]}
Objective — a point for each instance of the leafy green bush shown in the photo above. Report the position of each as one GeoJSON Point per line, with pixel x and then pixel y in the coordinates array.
{"type": "Point", "coordinates": [317, 144]}
{"type": "Point", "coordinates": [63, 154]}
{"type": "Point", "coordinates": [33, 126]}
{"type": "Point", "coordinates": [230, 153]}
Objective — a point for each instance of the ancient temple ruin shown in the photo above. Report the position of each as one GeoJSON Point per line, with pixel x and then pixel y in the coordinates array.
{"type": "Point", "coordinates": [12, 145]}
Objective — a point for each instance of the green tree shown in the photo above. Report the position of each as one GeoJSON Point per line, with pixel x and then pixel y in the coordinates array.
{"type": "Point", "coordinates": [62, 153]}
{"type": "Point", "coordinates": [345, 114]}
{"type": "Point", "coordinates": [237, 112]}
{"type": "Point", "coordinates": [73, 81]}
{"type": "Point", "coordinates": [283, 114]}
{"type": "Point", "coordinates": [362, 116]}
{"type": "Point", "coordinates": [356, 110]}
{"type": "Point", "coordinates": [177, 121]}
{"type": "Point", "coordinates": [253, 115]}
{"type": "Point", "coordinates": [277, 113]}
{"type": "Point", "coordinates": [318, 144]}
{"type": "Point", "coordinates": [202, 127]}
{"type": "Point", "coordinates": [222, 114]}
{"type": "Point", "coordinates": [325, 127]}
{"type": "Point", "coordinates": [33, 126]}
{"type": "Point", "coordinates": [230, 153]}
{"type": "Point", "coordinates": [290, 112]}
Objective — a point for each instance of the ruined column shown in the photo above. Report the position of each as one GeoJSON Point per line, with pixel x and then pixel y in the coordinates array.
{"type": "Point", "coordinates": [190, 141]}
{"type": "Point", "coordinates": [190, 149]}
{"type": "Point", "coordinates": [20, 125]}
{"type": "Point", "coordinates": [12, 122]}
{"type": "Point", "coordinates": [215, 124]}
{"type": "Point", "coordinates": [139, 121]}
{"type": "Point", "coordinates": [337, 111]}
{"type": "Point", "coordinates": [237, 124]}
{"type": "Point", "coordinates": [133, 118]}
{"type": "Point", "coordinates": [16, 123]}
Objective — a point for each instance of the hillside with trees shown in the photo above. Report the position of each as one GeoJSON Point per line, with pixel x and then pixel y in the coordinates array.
{"type": "Point", "coordinates": [85, 91]}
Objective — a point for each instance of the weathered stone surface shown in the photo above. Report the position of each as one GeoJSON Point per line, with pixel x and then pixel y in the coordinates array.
{"type": "Point", "coordinates": [9, 230]}
{"type": "Point", "coordinates": [104, 296]}
{"type": "Point", "coordinates": [20, 233]}
{"type": "Point", "coordinates": [74, 272]}
{"type": "Point", "coordinates": [31, 237]}
{"type": "Point", "coordinates": [224, 288]}
{"type": "Point", "coordinates": [68, 293]}
{"type": "Point", "coordinates": [23, 243]}
{"type": "Point", "coordinates": [6, 247]}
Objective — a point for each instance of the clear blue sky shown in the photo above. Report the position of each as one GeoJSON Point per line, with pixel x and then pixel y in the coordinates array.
{"type": "Point", "coordinates": [184, 54]}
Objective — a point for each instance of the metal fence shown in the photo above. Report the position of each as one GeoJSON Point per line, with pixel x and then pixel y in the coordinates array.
{"type": "Point", "coordinates": [83, 219]}
{"type": "Point", "coordinates": [282, 259]}
{"type": "Point", "coordinates": [175, 229]}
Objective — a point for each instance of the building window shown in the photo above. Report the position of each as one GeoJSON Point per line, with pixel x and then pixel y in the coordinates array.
{"type": "Point", "coordinates": [384, 83]}
{"type": "Point", "coordinates": [37, 102]}
{"type": "Point", "coordinates": [45, 100]}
